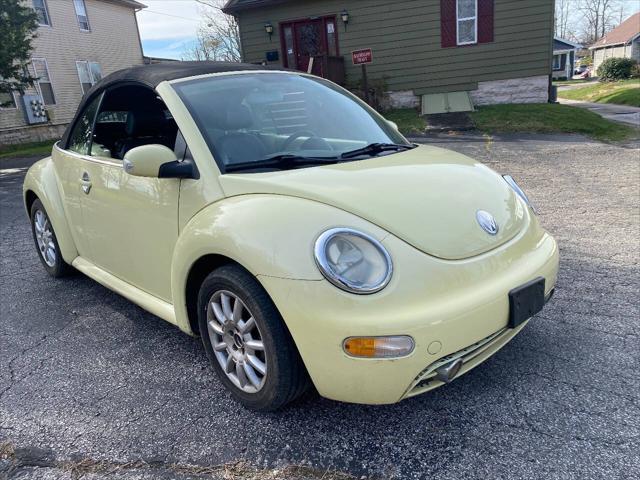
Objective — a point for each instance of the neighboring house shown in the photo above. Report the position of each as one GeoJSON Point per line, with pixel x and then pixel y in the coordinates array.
{"type": "Point", "coordinates": [430, 52]}
{"type": "Point", "coordinates": [77, 43]}
{"type": "Point", "coordinates": [621, 42]}
{"type": "Point", "coordinates": [564, 58]}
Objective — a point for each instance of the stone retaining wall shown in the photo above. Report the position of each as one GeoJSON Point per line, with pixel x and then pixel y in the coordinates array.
{"type": "Point", "coordinates": [34, 133]}
{"type": "Point", "coordinates": [516, 90]}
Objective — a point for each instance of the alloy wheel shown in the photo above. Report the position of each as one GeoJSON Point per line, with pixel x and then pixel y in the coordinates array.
{"type": "Point", "coordinates": [44, 238]}
{"type": "Point", "coordinates": [236, 341]}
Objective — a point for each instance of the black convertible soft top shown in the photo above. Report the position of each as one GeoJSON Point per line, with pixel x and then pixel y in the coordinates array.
{"type": "Point", "coordinates": [153, 75]}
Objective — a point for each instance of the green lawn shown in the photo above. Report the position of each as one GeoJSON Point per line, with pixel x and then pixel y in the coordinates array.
{"type": "Point", "coordinates": [408, 120]}
{"type": "Point", "coordinates": [26, 149]}
{"type": "Point", "coordinates": [548, 118]}
{"type": "Point", "coordinates": [625, 92]}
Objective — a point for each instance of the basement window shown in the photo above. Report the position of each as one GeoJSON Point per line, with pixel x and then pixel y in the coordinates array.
{"type": "Point", "coordinates": [7, 101]}
{"type": "Point", "coordinates": [467, 21]}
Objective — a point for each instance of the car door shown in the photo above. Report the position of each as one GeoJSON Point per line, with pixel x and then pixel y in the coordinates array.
{"type": "Point", "coordinates": [126, 225]}
{"type": "Point", "coordinates": [130, 224]}
{"type": "Point", "coordinates": [69, 161]}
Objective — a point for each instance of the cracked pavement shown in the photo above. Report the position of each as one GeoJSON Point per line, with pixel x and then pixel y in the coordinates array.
{"type": "Point", "coordinates": [86, 376]}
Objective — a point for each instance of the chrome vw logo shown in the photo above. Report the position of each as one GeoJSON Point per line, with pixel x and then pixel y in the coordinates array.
{"type": "Point", "coordinates": [487, 222]}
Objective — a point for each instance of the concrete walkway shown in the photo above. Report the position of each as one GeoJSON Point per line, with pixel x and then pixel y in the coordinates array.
{"type": "Point", "coordinates": [617, 113]}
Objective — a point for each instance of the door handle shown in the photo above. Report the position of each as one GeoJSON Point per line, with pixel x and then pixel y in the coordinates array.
{"type": "Point", "coordinates": [86, 183]}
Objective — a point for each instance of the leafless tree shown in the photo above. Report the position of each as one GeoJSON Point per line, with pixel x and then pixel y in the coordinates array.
{"type": "Point", "coordinates": [218, 36]}
{"type": "Point", "coordinates": [564, 12]}
{"type": "Point", "coordinates": [599, 17]}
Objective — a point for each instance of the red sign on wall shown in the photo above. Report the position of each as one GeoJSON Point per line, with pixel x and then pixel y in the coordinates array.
{"type": "Point", "coordinates": [361, 57]}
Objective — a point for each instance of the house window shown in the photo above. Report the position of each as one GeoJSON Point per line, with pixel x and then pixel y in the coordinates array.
{"type": "Point", "coordinates": [467, 21]}
{"type": "Point", "coordinates": [40, 6]}
{"type": "Point", "coordinates": [556, 62]}
{"type": "Point", "coordinates": [81, 14]}
{"type": "Point", "coordinates": [43, 82]}
{"type": "Point", "coordinates": [7, 101]}
{"type": "Point", "coordinates": [89, 73]}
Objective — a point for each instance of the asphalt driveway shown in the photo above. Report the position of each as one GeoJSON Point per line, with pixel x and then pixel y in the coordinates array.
{"type": "Point", "coordinates": [91, 384]}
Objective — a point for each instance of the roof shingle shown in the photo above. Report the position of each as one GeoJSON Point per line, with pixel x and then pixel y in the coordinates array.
{"type": "Point", "coordinates": [623, 34]}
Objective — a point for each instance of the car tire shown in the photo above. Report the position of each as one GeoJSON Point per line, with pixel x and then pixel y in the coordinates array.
{"type": "Point", "coordinates": [46, 242]}
{"type": "Point", "coordinates": [229, 340]}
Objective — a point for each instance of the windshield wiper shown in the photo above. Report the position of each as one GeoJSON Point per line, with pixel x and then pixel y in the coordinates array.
{"type": "Point", "coordinates": [281, 162]}
{"type": "Point", "coordinates": [376, 148]}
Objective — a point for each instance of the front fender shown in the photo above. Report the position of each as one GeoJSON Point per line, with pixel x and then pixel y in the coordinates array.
{"type": "Point", "coordinates": [41, 179]}
{"type": "Point", "coordinates": [269, 235]}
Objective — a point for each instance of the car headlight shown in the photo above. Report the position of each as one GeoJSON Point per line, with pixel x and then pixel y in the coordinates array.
{"type": "Point", "coordinates": [516, 188]}
{"type": "Point", "coordinates": [353, 261]}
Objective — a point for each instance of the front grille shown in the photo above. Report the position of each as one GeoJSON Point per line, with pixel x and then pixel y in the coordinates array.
{"type": "Point", "coordinates": [426, 379]}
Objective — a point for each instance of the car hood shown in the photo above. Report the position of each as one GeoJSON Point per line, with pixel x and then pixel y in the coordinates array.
{"type": "Point", "coordinates": [428, 196]}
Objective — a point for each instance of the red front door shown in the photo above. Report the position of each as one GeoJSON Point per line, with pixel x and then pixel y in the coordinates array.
{"type": "Point", "coordinates": [303, 40]}
{"type": "Point", "coordinates": [310, 43]}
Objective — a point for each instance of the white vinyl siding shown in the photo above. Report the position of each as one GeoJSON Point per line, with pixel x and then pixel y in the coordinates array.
{"type": "Point", "coordinates": [81, 14]}
{"type": "Point", "coordinates": [467, 21]}
{"type": "Point", "coordinates": [43, 82]}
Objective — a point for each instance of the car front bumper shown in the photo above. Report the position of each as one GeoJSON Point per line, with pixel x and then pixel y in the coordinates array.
{"type": "Point", "coordinates": [451, 309]}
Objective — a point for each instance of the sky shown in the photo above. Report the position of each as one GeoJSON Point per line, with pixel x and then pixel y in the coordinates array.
{"type": "Point", "coordinates": [169, 27]}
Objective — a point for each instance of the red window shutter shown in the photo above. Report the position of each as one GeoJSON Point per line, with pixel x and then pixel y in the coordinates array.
{"type": "Point", "coordinates": [448, 26]}
{"type": "Point", "coordinates": [485, 21]}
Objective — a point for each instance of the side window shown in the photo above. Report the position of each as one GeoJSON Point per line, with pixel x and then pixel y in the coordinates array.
{"type": "Point", "coordinates": [7, 100]}
{"type": "Point", "coordinates": [467, 19]}
{"type": "Point", "coordinates": [466, 22]}
{"type": "Point", "coordinates": [89, 73]}
{"type": "Point", "coordinates": [40, 6]}
{"type": "Point", "coordinates": [81, 14]}
{"type": "Point", "coordinates": [81, 136]}
{"type": "Point", "coordinates": [41, 70]}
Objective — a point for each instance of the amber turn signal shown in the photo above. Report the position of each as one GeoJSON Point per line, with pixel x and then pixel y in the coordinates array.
{"type": "Point", "coordinates": [378, 347]}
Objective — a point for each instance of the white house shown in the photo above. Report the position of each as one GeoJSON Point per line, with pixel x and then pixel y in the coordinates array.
{"type": "Point", "coordinates": [78, 42]}
{"type": "Point", "coordinates": [621, 42]}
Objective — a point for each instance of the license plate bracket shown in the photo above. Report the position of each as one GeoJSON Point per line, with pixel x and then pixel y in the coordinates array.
{"type": "Point", "coordinates": [525, 301]}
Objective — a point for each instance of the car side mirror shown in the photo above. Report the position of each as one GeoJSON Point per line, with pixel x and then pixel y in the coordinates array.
{"type": "Point", "coordinates": [394, 125]}
{"type": "Point", "coordinates": [147, 160]}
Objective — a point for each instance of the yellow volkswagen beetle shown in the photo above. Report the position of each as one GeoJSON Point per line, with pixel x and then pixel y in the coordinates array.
{"type": "Point", "coordinates": [293, 228]}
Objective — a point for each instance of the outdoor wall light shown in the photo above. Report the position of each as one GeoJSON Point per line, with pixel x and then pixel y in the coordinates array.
{"type": "Point", "coordinates": [345, 17]}
{"type": "Point", "coordinates": [269, 29]}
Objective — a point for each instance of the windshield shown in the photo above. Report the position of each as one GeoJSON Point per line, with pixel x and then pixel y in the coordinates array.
{"type": "Point", "coordinates": [259, 117]}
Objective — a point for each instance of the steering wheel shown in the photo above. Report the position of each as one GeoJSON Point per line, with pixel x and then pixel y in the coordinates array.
{"type": "Point", "coordinates": [305, 133]}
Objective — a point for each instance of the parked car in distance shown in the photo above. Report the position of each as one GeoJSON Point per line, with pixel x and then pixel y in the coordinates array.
{"type": "Point", "coordinates": [292, 228]}
{"type": "Point", "coordinates": [580, 69]}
